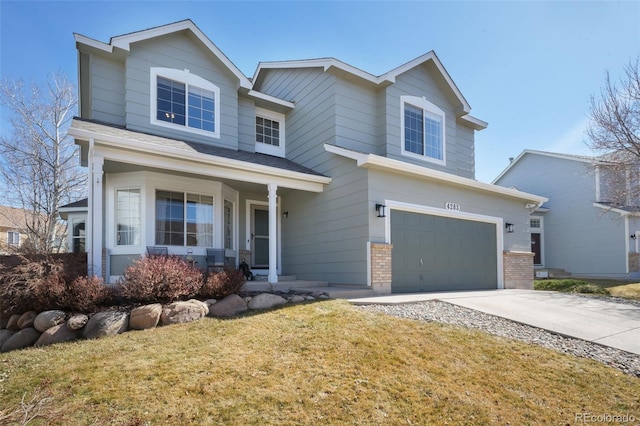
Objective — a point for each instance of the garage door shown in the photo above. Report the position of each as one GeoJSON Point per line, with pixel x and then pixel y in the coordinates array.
{"type": "Point", "coordinates": [436, 253]}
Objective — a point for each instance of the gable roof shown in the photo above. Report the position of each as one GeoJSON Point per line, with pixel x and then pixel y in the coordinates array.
{"type": "Point", "coordinates": [12, 218]}
{"type": "Point", "coordinates": [381, 80]}
{"type": "Point", "coordinates": [570, 157]}
{"type": "Point", "coordinates": [124, 42]}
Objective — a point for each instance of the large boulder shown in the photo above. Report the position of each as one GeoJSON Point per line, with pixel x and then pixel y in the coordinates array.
{"type": "Point", "coordinates": [181, 312]}
{"type": "Point", "coordinates": [12, 324]}
{"type": "Point", "coordinates": [77, 321]}
{"type": "Point", "coordinates": [47, 319]}
{"type": "Point", "coordinates": [56, 334]}
{"type": "Point", "coordinates": [267, 301]}
{"type": "Point", "coordinates": [144, 317]}
{"type": "Point", "coordinates": [107, 323]}
{"type": "Point", "coordinates": [4, 336]}
{"type": "Point", "coordinates": [228, 307]}
{"type": "Point", "coordinates": [22, 339]}
{"type": "Point", "coordinates": [26, 319]}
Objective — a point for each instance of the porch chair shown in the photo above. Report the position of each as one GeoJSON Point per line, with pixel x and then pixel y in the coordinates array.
{"type": "Point", "coordinates": [157, 251]}
{"type": "Point", "coordinates": [215, 259]}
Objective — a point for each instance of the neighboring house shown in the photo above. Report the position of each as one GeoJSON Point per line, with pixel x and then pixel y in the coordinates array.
{"type": "Point", "coordinates": [12, 229]}
{"type": "Point", "coordinates": [75, 214]}
{"type": "Point", "coordinates": [311, 168]}
{"type": "Point", "coordinates": [579, 230]}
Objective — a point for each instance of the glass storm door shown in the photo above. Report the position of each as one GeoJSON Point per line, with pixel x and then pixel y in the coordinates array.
{"type": "Point", "coordinates": [259, 237]}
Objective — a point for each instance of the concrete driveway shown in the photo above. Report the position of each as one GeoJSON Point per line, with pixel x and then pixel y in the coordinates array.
{"type": "Point", "coordinates": [593, 319]}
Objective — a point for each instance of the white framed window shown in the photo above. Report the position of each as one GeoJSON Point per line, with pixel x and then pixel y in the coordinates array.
{"type": "Point", "coordinates": [184, 101]}
{"type": "Point", "coordinates": [227, 212]}
{"type": "Point", "coordinates": [128, 217]}
{"type": "Point", "coordinates": [78, 237]}
{"type": "Point", "coordinates": [184, 219]}
{"type": "Point", "coordinates": [270, 132]}
{"type": "Point", "coordinates": [13, 238]}
{"type": "Point", "coordinates": [422, 129]}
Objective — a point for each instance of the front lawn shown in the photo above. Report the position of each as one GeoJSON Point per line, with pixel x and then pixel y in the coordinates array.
{"type": "Point", "coordinates": [317, 363]}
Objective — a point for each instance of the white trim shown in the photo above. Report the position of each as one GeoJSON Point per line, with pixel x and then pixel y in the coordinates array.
{"type": "Point", "coordinates": [540, 231]}
{"type": "Point", "coordinates": [428, 108]}
{"type": "Point", "coordinates": [421, 209]}
{"type": "Point", "coordinates": [248, 204]}
{"type": "Point", "coordinates": [369, 281]}
{"type": "Point", "coordinates": [278, 151]}
{"type": "Point", "coordinates": [621, 212]}
{"type": "Point", "coordinates": [183, 76]}
{"type": "Point", "coordinates": [143, 152]}
{"type": "Point", "coordinates": [268, 98]}
{"type": "Point", "coordinates": [396, 166]}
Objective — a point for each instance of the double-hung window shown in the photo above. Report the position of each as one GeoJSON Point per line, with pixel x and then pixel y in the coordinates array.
{"type": "Point", "coordinates": [128, 218]}
{"type": "Point", "coordinates": [270, 132]}
{"type": "Point", "coordinates": [13, 238]}
{"type": "Point", "coordinates": [184, 101]}
{"type": "Point", "coordinates": [422, 129]}
{"type": "Point", "coordinates": [184, 219]}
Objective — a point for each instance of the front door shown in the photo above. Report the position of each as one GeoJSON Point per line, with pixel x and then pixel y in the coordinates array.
{"type": "Point", "coordinates": [536, 248]}
{"type": "Point", "coordinates": [259, 237]}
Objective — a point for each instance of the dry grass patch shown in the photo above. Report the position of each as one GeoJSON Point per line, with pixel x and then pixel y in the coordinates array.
{"type": "Point", "coordinates": [308, 364]}
{"type": "Point", "coordinates": [629, 291]}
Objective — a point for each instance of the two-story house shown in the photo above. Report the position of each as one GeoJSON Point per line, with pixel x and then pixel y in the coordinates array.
{"type": "Point", "coordinates": [310, 168]}
{"type": "Point", "coordinates": [585, 228]}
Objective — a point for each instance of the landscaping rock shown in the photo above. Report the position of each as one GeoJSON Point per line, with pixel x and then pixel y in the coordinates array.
{"type": "Point", "coordinates": [3, 322]}
{"type": "Point", "coordinates": [210, 302]}
{"type": "Point", "coordinates": [77, 321]}
{"type": "Point", "coordinates": [181, 312]}
{"type": "Point", "coordinates": [310, 298]}
{"type": "Point", "coordinates": [22, 339]}
{"type": "Point", "coordinates": [145, 317]}
{"type": "Point", "coordinates": [297, 299]}
{"type": "Point", "coordinates": [106, 324]}
{"type": "Point", "coordinates": [12, 324]}
{"type": "Point", "coordinates": [267, 301]}
{"type": "Point", "coordinates": [4, 336]}
{"type": "Point", "coordinates": [26, 319]}
{"type": "Point", "coordinates": [228, 307]}
{"type": "Point", "coordinates": [56, 334]}
{"type": "Point", "coordinates": [47, 319]}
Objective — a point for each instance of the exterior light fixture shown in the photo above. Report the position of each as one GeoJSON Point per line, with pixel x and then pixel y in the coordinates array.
{"type": "Point", "coordinates": [633, 236]}
{"type": "Point", "coordinates": [509, 227]}
{"type": "Point", "coordinates": [380, 209]}
{"type": "Point", "coordinates": [285, 214]}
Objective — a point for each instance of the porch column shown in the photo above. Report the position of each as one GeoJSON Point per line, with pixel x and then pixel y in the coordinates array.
{"type": "Point", "coordinates": [273, 235]}
{"type": "Point", "coordinates": [94, 257]}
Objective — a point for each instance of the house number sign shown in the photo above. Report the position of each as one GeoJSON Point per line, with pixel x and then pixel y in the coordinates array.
{"type": "Point", "coordinates": [452, 206]}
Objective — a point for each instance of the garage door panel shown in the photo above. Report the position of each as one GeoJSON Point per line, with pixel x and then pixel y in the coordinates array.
{"type": "Point", "coordinates": [435, 253]}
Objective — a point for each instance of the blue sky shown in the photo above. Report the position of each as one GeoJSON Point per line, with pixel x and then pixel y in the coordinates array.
{"type": "Point", "coordinates": [527, 68]}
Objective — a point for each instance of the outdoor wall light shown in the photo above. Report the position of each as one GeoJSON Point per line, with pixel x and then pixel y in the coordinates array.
{"type": "Point", "coordinates": [285, 214]}
{"type": "Point", "coordinates": [380, 209]}
{"type": "Point", "coordinates": [509, 227]}
{"type": "Point", "coordinates": [633, 236]}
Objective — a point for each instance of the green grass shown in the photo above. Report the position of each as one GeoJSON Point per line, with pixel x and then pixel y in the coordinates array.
{"type": "Point", "coordinates": [570, 286]}
{"type": "Point", "coordinates": [319, 363]}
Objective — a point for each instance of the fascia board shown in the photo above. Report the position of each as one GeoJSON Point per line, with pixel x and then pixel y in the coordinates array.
{"type": "Point", "coordinates": [475, 123]}
{"type": "Point", "coordinates": [376, 161]}
{"type": "Point", "coordinates": [621, 212]}
{"type": "Point", "coordinates": [272, 99]}
{"type": "Point", "coordinates": [124, 42]}
{"type": "Point", "coordinates": [173, 153]}
{"type": "Point", "coordinates": [89, 42]}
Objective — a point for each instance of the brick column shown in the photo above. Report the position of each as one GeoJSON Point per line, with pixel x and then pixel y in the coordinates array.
{"type": "Point", "coordinates": [381, 268]}
{"type": "Point", "coordinates": [634, 262]}
{"type": "Point", "coordinates": [244, 256]}
{"type": "Point", "coordinates": [518, 269]}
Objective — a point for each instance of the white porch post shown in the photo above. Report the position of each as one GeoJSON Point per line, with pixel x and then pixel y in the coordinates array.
{"type": "Point", "coordinates": [94, 260]}
{"type": "Point", "coordinates": [273, 235]}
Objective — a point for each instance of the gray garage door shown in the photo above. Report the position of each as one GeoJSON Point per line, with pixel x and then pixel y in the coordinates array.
{"type": "Point", "coordinates": [435, 253]}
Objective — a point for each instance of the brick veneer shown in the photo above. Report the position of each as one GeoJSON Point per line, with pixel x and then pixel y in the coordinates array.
{"type": "Point", "coordinates": [244, 256]}
{"type": "Point", "coordinates": [381, 268]}
{"type": "Point", "coordinates": [518, 269]}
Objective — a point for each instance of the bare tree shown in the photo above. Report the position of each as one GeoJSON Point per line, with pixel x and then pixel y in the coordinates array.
{"type": "Point", "coordinates": [614, 133]}
{"type": "Point", "coordinates": [39, 166]}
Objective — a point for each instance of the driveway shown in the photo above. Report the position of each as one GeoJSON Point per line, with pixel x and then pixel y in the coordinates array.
{"type": "Point", "coordinates": [593, 319]}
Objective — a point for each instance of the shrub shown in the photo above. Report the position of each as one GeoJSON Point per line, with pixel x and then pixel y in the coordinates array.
{"type": "Point", "coordinates": [223, 283]}
{"type": "Point", "coordinates": [86, 294]}
{"type": "Point", "coordinates": [160, 279]}
{"type": "Point", "coordinates": [570, 286]}
{"type": "Point", "coordinates": [590, 288]}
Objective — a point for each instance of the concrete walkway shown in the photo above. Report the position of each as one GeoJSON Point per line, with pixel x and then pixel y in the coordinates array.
{"type": "Point", "coordinates": [593, 319]}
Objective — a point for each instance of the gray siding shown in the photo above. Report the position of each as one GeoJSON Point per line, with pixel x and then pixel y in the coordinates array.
{"type": "Point", "coordinates": [246, 124]}
{"type": "Point", "coordinates": [425, 81]}
{"type": "Point", "coordinates": [578, 237]}
{"type": "Point", "coordinates": [180, 52]}
{"type": "Point", "coordinates": [107, 91]}
{"type": "Point", "coordinates": [357, 117]}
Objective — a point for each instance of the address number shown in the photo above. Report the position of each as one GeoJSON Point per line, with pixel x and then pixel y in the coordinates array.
{"type": "Point", "coordinates": [452, 206]}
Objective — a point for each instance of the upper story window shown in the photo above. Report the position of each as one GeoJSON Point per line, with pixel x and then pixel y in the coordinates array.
{"type": "Point", "coordinates": [270, 132]}
{"type": "Point", "coordinates": [422, 129]}
{"type": "Point", "coordinates": [184, 101]}
{"type": "Point", "coordinates": [13, 238]}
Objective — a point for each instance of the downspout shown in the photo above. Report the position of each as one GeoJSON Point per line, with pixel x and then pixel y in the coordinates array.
{"type": "Point", "coordinates": [89, 224]}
